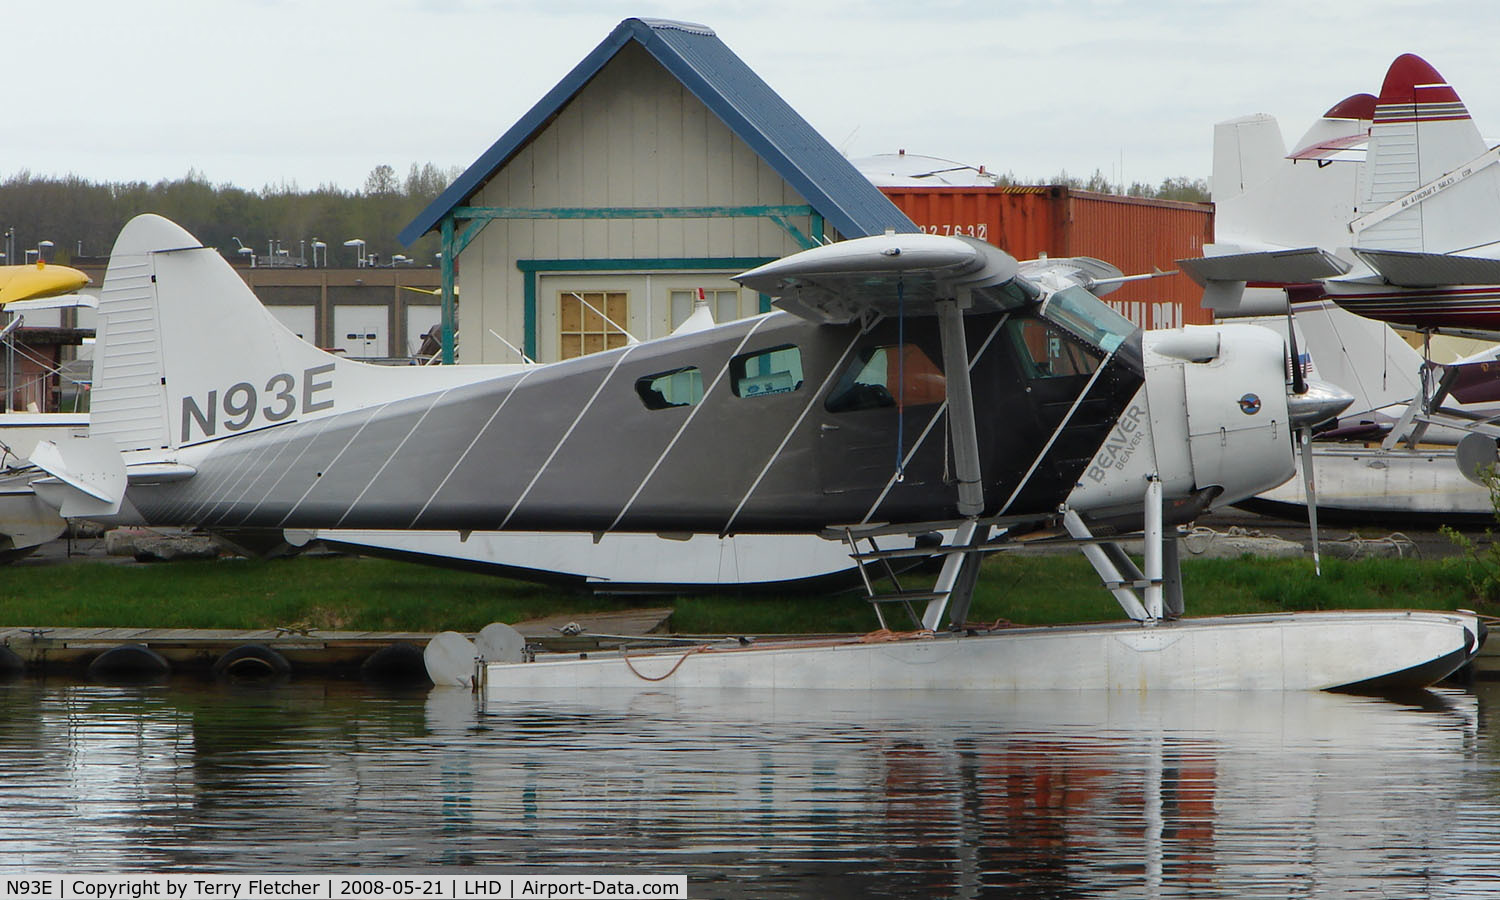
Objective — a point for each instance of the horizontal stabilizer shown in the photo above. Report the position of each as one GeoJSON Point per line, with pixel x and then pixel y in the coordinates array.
{"type": "Point", "coordinates": [88, 476]}
{"type": "Point", "coordinates": [58, 301]}
{"type": "Point", "coordinates": [1408, 269]}
{"type": "Point", "coordinates": [1300, 266]}
{"type": "Point", "coordinates": [889, 274]}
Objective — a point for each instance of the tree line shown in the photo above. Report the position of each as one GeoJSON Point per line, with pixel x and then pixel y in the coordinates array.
{"type": "Point", "coordinates": [82, 218]}
{"type": "Point", "coordinates": [1189, 190]}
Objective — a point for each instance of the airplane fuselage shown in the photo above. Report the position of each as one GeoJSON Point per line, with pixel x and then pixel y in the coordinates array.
{"type": "Point", "coordinates": [766, 425]}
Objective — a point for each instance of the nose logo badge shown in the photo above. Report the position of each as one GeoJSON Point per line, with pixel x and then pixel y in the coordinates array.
{"type": "Point", "coordinates": [1250, 404]}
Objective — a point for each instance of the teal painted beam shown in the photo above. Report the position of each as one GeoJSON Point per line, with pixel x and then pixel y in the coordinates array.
{"type": "Point", "coordinates": [450, 253]}
{"type": "Point", "coordinates": [628, 212]}
{"type": "Point", "coordinates": [530, 267]}
{"type": "Point", "coordinates": [802, 240]}
{"type": "Point", "coordinates": [721, 263]}
{"type": "Point", "coordinates": [470, 232]}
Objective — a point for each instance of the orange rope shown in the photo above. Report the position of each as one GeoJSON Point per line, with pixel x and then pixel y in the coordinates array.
{"type": "Point", "coordinates": [885, 634]}
{"type": "Point", "coordinates": [680, 660]}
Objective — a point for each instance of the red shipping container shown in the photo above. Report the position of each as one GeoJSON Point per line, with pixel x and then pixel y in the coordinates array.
{"type": "Point", "coordinates": [1136, 235]}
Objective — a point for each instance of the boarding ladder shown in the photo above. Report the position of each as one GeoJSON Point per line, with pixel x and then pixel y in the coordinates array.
{"type": "Point", "coordinates": [954, 588]}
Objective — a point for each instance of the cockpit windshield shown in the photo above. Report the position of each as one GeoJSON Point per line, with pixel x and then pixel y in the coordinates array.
{"type": "Point", "coordinates": [1087, 317]}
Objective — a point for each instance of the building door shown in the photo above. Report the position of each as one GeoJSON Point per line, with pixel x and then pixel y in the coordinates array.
{"type": "Point", "coordinates": [362, 332]}
{"type": "Point", "coordinates": [302, 320]}
{"type": "Point", "coordinates": [724, 303]}
{"type": "Point", "coordinates": [419, 320]}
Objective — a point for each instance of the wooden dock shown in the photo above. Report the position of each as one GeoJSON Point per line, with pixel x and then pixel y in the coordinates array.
{"type": "Point", "coordinates": [305, 648]}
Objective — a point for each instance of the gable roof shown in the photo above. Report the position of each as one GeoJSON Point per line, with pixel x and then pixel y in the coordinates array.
{"type": "Point", "coordinates": [721, 81]}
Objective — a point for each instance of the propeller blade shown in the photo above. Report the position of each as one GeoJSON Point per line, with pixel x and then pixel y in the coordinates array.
{"type": "Point", "coordinates": [1299, 380]}
{"type": "Point", "coordinates": [1305, 435]}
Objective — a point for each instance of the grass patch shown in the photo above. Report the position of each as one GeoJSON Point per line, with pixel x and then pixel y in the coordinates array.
{"type": "Point", "coordinates": [385, 595]}
{"type": "Point", "coordinates": [323, 592]}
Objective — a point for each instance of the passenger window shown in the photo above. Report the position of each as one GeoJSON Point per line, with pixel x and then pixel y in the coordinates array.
{"type": "Point", "coordinates": [882, 377]}
{"type": "Point", "coordinates": [679, 387]}
{"type": "Point", "coordinates": [774, 371]}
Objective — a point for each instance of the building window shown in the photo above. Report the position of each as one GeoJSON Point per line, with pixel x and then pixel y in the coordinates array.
{"type": "Point", "coordinates": [679, 387]}
{"type": "Point", "coordinates": [881, 377]}
{"type": "Point", "coordinates": [724, 304]}
{"type": "Point", "coordinates": [774, 371]}
{"type": "Point", "coordinates": [591, 321]}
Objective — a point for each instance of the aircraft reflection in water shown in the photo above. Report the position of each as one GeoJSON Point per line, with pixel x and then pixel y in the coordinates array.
{"type": "Point", "coordinates": [1045, 794]}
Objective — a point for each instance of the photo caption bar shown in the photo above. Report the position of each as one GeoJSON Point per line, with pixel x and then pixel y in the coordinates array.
{"type": "Point", "coordinates": [353, 885]}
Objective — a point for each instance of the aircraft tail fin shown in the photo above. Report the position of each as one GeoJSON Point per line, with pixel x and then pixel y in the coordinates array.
{"type": "Point", "coordinates": [1247, 151]}
{"type": "Point", "coordinates": [1268, 199]}
{"type": "Point", "coordinates": [1430, 183]}
{"type": "Point", "coordinates": [185, 353]}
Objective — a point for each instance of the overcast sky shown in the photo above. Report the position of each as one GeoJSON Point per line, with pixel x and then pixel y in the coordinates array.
{"type": "Point", "coordinates": [260, 92]}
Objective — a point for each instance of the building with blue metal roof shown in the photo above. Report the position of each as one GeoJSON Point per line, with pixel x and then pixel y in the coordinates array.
{"type": "Point", "coordinates": [660, 166]}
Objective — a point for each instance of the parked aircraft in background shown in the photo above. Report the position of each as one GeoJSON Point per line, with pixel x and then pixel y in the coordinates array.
{"type": "Point", "coordinates": [1387, 209]}
{"type": "Point", "coordinates": [919, 382]}
{"type": "Point", "coordinates": [1405, 235]}
{"type": "Point", "coordinates": [34, 282]}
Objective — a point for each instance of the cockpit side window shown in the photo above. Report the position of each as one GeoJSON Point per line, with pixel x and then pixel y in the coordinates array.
{"type": "Point", "coordinates": [1046, 351]}
{"type": "Point", "coordinates": [764, 372]}
{"type": "Point", "coordinates": [888, 376]}
{"type": "Point", "coordinates": [664, 390]}
{"type": "Point", "coordinates": [1088, 317]}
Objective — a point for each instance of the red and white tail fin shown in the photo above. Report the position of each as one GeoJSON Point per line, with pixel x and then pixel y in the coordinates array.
{"type": "Point", "coordinates": [1429, 183]}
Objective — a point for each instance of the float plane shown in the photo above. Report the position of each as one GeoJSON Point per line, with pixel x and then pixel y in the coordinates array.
{"type": "Point", "coordinates": [907, 383]}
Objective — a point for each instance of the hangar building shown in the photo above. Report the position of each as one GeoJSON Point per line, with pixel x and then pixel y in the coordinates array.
{"type": "Point", "coordinates": [661, 164]}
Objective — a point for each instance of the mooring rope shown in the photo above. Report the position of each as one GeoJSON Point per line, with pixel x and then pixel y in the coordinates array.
{"type": "Point", "coordinates": [670, 672]}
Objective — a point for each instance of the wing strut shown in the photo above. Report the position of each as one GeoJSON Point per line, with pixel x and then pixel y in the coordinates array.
{"type": "Point", "coordinates": [951, 331]}
{"type": "Point", "coordinates": [961, 404]}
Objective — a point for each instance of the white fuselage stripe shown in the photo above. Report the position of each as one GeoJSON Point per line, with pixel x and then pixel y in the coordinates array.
{"type": "Point", "coordinates": [686, 422]}
{"type": "Point", "coordinates": [1059, 430]}
{"type": "Point", "coordinates": [465, 455]}
{"type": "Point", "coordinates": [378, 472]}
{"type": "Point", "coordinates": [566, 434]}
{"type": "Point", "coordinates": [834, 370]}
{"type": "Point", "coordinates": [322, 427]}
{"type": "Point", "coordinates": [374, 414]}
{"type": "Point", "coordinates": [936, 417]}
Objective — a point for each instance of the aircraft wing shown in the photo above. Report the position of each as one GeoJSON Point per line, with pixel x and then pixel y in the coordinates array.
{"type": "Point", "coordinates": [31, 282]}
{"type": "Point", "coordinates": [1224, 277]}
{"type": "Point", "coordinates": [890, 274]}
{"type": "Point", "coordinates": [1419, 270]}
{"type": "Point", "coordinates": [1300, 266]}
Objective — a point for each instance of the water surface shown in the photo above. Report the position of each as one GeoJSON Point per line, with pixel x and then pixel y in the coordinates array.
{"type": "Point", "coordinates": [1053, 794]}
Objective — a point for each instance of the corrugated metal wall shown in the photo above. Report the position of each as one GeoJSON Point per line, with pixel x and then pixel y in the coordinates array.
{"type": "Point", "coordinates": [1137, 235]}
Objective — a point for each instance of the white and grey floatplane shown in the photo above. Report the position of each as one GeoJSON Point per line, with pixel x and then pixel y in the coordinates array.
{"type": "Point", "coordinates": [909, 383]}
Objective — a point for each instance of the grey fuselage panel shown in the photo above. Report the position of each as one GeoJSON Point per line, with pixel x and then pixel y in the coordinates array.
{"type": "Point", "coordinates": [575, 446]}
